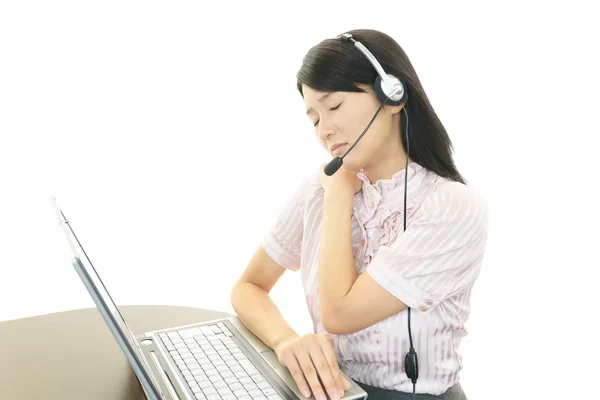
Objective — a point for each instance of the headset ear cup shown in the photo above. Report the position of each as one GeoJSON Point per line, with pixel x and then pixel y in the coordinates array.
{"type": "Point", "coordinates": [381, 95]}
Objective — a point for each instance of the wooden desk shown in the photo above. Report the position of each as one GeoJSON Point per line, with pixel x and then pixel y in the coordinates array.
{"type": "Point", "coordinates": [73, 355]}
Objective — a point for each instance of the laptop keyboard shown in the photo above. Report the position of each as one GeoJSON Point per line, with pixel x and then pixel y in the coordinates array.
{"type": "Point", "coordinates": [214, 366]}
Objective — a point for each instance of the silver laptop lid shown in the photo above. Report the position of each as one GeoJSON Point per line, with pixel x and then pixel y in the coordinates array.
{"type": "Point", "coordinates": [108, 309]}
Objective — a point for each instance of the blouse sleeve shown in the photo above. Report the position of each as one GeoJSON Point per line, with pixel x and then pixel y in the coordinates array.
{"type": "Point", "coordinates": [283, 242]}
{"type": "Point", "coordinates": [440, 253]}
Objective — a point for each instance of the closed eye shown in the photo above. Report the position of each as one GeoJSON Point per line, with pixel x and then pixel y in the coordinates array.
{"type": "Point", "coordinates": [331, 109]}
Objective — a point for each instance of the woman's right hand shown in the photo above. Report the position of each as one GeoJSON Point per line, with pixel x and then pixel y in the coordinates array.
{"type": "Point", "coordinates": [309, 358]}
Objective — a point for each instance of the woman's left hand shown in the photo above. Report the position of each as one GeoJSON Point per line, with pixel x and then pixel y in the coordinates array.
{"type": "Point", "coordinates": [341, 183]}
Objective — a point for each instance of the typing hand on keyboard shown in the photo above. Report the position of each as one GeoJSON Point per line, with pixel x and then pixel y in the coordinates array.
{"type": "Point", "coordinates": [310, 358]}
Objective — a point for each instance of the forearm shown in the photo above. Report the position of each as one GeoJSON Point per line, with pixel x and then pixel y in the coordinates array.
{"type": "Point", "coordinates": [337, 270]}
{"type": "Point", "coordinates": [257, 311]}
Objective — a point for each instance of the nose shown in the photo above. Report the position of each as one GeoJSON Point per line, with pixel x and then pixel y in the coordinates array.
{"type": "Point", "coordinates": [325, 129]}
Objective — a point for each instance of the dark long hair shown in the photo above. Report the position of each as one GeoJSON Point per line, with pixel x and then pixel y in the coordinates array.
{"type": "Point", "coordinates": [336, 65]}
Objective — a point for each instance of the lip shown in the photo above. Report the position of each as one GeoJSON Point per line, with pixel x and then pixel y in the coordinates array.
{"type": "Point", "coordinates": [336, 149]}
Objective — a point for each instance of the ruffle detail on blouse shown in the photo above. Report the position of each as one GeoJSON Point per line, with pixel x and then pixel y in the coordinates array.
{"type": "Point", "coordinates": [381, 221]}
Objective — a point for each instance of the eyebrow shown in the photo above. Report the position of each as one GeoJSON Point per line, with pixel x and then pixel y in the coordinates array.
{"type": "Point", "coordinates": [320, 99]}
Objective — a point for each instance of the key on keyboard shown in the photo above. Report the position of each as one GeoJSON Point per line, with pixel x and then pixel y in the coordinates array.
{"type": "Point", "coordinates": [214, 366]}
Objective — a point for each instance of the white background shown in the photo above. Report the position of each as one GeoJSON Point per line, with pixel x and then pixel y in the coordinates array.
{"type": "Point", "coordinates": [172, 133]}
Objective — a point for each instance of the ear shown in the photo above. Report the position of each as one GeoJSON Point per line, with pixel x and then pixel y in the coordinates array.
{"type": "Point", "coordinates": [395, 109]}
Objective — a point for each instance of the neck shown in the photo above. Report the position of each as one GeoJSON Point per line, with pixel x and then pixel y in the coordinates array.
{"type": "Point", "coordinates": [386, 169]}
{"type": "Point", "coordinates": [391, 159]}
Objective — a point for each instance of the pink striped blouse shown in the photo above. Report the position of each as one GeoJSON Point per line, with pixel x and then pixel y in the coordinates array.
{"type": "Point", "coordinates": [431, 267]}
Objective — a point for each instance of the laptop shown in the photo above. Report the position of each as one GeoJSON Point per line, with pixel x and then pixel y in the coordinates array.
{"type": "Point", "coordinates": [217, 359]}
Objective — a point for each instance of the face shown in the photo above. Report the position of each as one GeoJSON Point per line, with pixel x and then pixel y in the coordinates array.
{"type": "Point", "coordinates": [339, 118]}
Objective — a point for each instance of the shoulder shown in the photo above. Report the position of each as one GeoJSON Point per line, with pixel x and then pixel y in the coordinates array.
{"type": "Point", "coordinates": [306, 192]}
{"type": "Point", "coordinates": [454, 202]}
{"type": "Point", "coordinates": [310, 188]}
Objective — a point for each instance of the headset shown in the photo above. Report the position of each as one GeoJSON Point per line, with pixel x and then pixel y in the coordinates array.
{"type": "Point", "coordinates": [390, 90]}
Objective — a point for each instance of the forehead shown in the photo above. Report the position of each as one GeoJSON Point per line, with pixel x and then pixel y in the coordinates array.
{"type": "Point", "coordinates": [314, 97]}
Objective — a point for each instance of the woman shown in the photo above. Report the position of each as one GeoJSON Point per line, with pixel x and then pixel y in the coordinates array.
{"type": "Point", "coordinates": [362, 272]}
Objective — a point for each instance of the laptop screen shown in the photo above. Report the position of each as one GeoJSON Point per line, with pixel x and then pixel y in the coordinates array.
{"type": "Point", "coordinates": [108, 309]}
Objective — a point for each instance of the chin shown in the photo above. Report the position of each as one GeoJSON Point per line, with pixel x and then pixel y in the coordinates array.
{"type": "Point", "coordinates": [352, 165]}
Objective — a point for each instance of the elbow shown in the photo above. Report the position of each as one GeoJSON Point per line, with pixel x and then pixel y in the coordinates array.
{"type": "Point", "coordinates": [333, 321]}
{"type": "Point", "coordinates": [235, 296]}
{"type": "Point", "coordinates": [333, 328]}
{"type": "Point", "coordinates": [232, 297]}
{"type": "Point", "coordinates": [341, 321]}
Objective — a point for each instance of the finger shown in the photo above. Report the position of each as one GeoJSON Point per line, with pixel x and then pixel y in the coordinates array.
{"type": "Point", "coordinates": [321, 363]}
{"type": "Point", "coordinates": [347, 384]}
{"type": "Point", "coordinates": [310, 373]}
{"type": "Point", "coordinates": [327, 349]}
{"type": "Point", "coordinates": [293, 366]}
